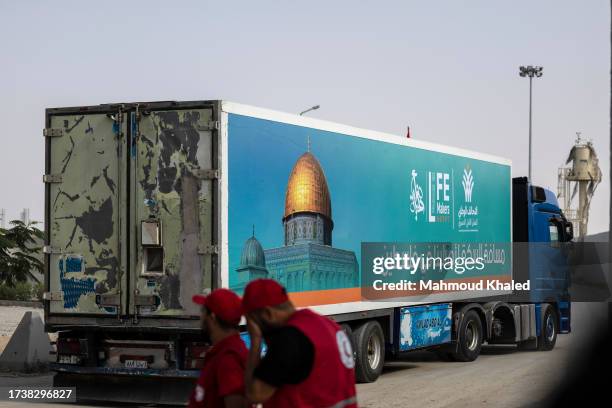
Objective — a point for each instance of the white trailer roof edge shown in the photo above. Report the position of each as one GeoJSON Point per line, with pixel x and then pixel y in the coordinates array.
{"type": "Point", "coordinates": [293, 119]}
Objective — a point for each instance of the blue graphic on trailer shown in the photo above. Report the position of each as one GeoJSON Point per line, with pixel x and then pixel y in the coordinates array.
{"type": "Point", "coordinates": [422, 326]}
{"type": "Point", "coordinates": [246, 338]}
{"type": "Point", "coordinates": [73, 288]}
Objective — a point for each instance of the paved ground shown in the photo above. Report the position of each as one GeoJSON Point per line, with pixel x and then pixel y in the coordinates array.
{"type": "Point", "coordinates": [500, 377]}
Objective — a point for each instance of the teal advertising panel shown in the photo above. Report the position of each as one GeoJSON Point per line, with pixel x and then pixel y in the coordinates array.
{"type": "Point", "coordinates": [303, 200]}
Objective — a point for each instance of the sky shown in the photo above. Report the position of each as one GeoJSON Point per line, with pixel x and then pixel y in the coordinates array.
{"type": "Point", "coordinates": [447, 69]}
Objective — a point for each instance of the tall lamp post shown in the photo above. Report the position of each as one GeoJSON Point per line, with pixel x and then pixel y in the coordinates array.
{"type": "Point", "coordinates": [531, 72]}
{"type": "Point", "coordinates": [310, 109]}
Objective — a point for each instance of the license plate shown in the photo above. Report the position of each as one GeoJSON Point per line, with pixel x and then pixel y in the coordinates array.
{"type": "Point", "coordinates": [69, 360]}
{"type": "Point", "coordinates": [136, 364]}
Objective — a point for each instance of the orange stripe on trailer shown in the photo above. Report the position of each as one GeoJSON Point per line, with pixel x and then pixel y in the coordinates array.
{"type": "Point", "coordinates": [345, 295]}
{"type": "Point", "coordinates": [325, 297]}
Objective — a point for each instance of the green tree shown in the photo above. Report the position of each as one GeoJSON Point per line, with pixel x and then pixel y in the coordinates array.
{"type": "Point", "coordinates": [18, 252]}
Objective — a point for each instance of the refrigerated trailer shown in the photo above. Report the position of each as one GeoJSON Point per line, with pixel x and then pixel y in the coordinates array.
{"type": "Point", "coordinates": [147, 204]}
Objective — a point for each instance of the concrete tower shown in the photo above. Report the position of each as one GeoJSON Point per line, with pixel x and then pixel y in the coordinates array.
{"type": "Point", "coordinates": [585, 175]}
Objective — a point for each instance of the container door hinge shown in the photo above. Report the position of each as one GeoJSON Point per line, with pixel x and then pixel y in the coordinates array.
{"type": "Point", "coordinates": [208, 249]}
{"type": "Point", "coordinates": [207, 174]}
{"type": "Point", "coordinates": [53, 132]}
{"type": "Point", "coordinates": [52, 178]}
{"type": "Point", "coordinates": [212, 125]}
{"type": "Point", "coordinates": [47, 249]}
{"type": "Point", "coordinates": [53, 296]}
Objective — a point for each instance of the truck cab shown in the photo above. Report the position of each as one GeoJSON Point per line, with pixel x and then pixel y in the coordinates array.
{"type": "Point", "coordinates": [541, 234]}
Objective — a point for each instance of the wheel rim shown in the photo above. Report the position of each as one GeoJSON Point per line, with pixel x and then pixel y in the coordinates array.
{"type": "Point", "coordinates": [550, 328]}
{"type": "Point", "coordinates": [471, 336]}
{"type": "Point", "coordinates": [374, 351]}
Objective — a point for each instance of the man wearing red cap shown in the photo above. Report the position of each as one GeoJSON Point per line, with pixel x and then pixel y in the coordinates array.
{"type": "Point", "coordinates": [309, 359]}
{"type": "Point", "coordinates": [221, 382]}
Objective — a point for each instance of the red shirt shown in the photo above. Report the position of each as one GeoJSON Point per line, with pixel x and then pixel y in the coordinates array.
{"type": "Point", "coordinates": [222, 374]}
{"type": "Point", "coordinates": [331, 382]}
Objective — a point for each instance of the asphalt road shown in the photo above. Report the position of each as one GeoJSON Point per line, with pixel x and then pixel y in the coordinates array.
{"type": "Point", "coordinates": [500, 377]}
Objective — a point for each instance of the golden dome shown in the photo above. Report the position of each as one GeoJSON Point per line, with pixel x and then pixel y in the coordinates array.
{"type": "Point", "coordinates": [307, 188]}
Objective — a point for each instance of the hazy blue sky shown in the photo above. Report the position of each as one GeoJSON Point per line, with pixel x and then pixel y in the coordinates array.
{"type": "Point", "coordinates": [449, 69]}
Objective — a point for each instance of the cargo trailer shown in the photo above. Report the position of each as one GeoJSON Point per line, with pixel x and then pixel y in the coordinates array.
{"type": "Point", "coordinates": [147, 204]}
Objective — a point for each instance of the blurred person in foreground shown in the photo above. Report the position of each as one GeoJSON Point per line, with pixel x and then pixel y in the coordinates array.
{"type": "Point", "coordinates": [221, 382]}
{"type": "Point", "coordinates": [309, 360]}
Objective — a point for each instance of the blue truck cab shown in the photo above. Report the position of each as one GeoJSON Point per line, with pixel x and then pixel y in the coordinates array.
{"type": "Point", "coordinates": [541, 234]}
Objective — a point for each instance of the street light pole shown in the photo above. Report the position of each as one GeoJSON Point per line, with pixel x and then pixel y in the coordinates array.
{"type": "Point", "coordinates": [530, 110]}
{"type": "Point", "coordinates": [310, 109]}
{"type": "Point", "coordinates": [531, 72]}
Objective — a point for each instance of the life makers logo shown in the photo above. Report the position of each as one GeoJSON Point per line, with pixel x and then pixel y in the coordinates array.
{"type": "Point", "coordinates": [438, 196]}
{"type": "Point", "coordinates": [439, 203]}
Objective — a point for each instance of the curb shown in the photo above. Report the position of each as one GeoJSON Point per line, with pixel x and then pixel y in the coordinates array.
{"type": "Point", "coordinates": [22, 303]}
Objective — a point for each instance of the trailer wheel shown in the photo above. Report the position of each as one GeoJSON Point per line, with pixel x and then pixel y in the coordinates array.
{"type": "Point", "coordinates": [548, 335]}
{"type": "Point", "coordinates": [369, 342]}
{"type": "Point", "coordinates": [469, 338]}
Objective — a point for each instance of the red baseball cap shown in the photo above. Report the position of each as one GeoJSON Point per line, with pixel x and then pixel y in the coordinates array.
{"type": "Point", "coordinates": [261, 293]}
{"type": "Point", "coordinates": [222, 302]}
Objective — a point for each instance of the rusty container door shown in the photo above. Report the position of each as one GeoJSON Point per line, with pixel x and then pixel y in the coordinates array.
{"type": "Point", "coordinates": [85, 200]}
{"type": "Point", "coordinates": [173, 180]}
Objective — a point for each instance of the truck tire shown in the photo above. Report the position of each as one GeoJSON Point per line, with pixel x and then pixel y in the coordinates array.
{"type": "Point", "coordinates": [469, 338]}
{"type": "Point", "coordinates": [548, 335]}
{"type": "Point", "coordinates": [369, 342]}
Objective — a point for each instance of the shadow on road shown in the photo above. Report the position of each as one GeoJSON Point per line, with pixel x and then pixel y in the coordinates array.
{"type": "Point", "coordinates": [395, 366]}
{"type": "Point", "coordinates": [432, 356]}
{"type": "Point", "coordinates": [498, 350]}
